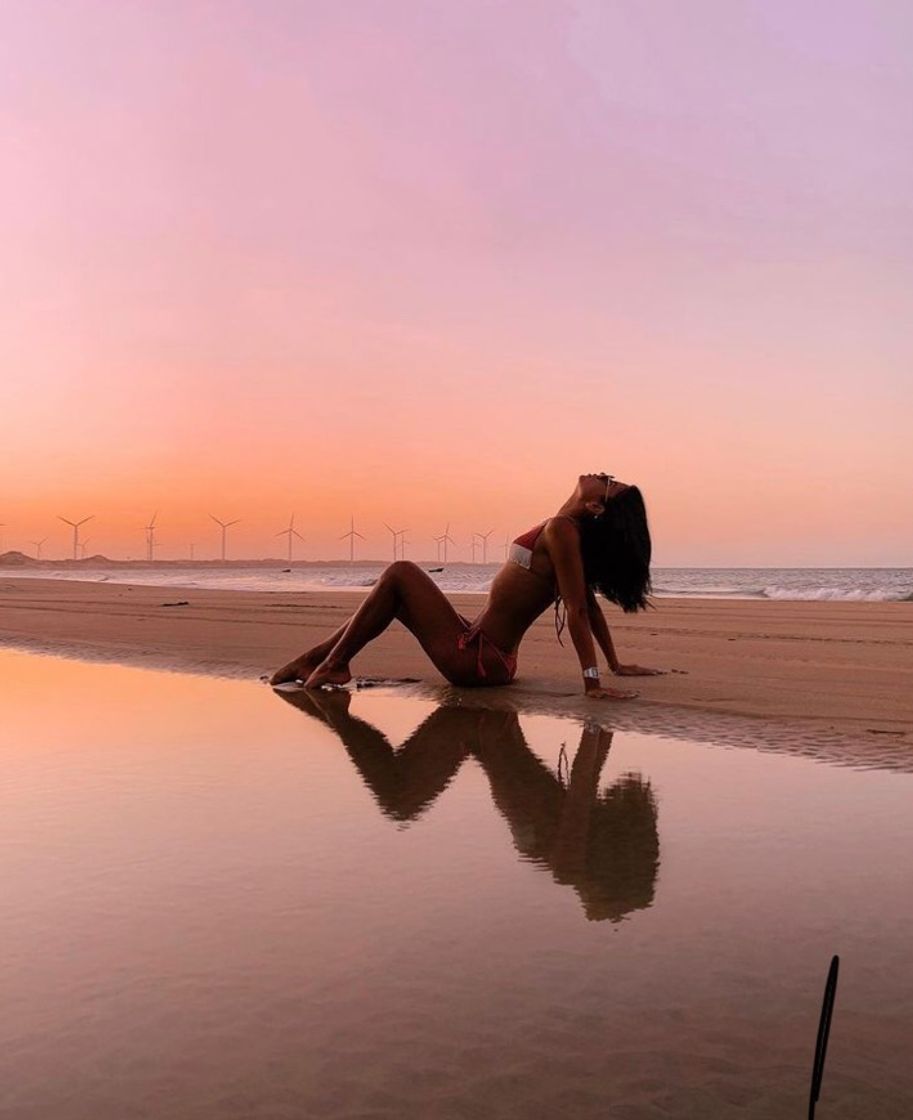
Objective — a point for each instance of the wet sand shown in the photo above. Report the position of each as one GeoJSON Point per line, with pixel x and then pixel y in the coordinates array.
{"type": "Point", "coordinates": [845, 667]}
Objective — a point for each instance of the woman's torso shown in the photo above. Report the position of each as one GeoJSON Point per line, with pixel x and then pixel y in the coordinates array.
{"type": "Point", "coordinates": [523, 588]}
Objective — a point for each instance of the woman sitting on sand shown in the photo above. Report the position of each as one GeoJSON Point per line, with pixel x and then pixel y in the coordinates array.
{"type": "Point", "coordinates": [597, 541]}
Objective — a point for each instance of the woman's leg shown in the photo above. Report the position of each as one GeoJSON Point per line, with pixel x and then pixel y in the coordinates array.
{"type": "Point", "coordinates": [406, 593]}
{"type": "Point", "coordinates": [302, 667]}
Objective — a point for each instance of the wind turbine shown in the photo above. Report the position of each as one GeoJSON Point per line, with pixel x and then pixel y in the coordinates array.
{"type": "Point", "coordinates": [444, 541]}
{"type": "Point", "coordinates": [225, 525]}
{"type": "Point", "coordinates": [483, 537]}
{"type": "Point", "coordinates": [506, 548]}
{"type": "Point", "coordinates": [1, 535]}
{"type": "Point", "coordinates": [82, 548]}
{"type": "Point", "coordinates": [395, 533]}
{"type": "Point", "coordinates": [290, 532]}
{"type": "Point", "coordinates": [75, 525]}
{"type": "Point", "coordinates": [150, 537]}
{"type": "Point", "coordinates": [38, 545]}
{"type": "Point", "coordinates": [350, 537]}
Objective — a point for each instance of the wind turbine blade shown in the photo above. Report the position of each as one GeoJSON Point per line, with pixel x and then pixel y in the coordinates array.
{"type": "Point", "coordinates": [217, 521]}
{"type": "Point", "coordinates": [360, 537]}
{"type": "Point", "coordinates": [66, 520]}
{"type": "Point", "coordinates": [297, 534]}
{"type": "Point", "coordinates": [235, 522]}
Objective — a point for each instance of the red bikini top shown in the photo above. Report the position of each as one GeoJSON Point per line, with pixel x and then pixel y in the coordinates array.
{"type": "Point", "coordinates": [529, 538]}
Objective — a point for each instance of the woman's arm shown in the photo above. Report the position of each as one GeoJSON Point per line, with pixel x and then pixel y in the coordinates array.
{"type": "Point", "coordinates": [562, 540]}
{"type": "Point", "coordinates": [601, 630]}
{"type": "Point", "coordinates": [604, 638]}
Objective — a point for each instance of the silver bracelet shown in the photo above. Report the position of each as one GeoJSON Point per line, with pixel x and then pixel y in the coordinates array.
{"type": "Point", "coordinates": [591, 674]}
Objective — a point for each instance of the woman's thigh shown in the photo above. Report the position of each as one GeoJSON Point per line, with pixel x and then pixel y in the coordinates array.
{"type": "Point", "coordinates": [425, 610]}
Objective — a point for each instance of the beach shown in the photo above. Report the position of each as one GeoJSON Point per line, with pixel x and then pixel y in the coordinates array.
{"type": "Point", "coordinates": [828, 666]}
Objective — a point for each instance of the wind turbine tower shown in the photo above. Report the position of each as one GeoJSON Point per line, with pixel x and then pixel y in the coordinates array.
{"type": "Point", "coordinates": [75, 525]}
{"type": "Point", "coordinates": [397, 533]}
{"type": "Point", "coordinates": [38, 545]}
{"type": "Point", "coordinates": [350, 537]}
{"type": "Point", "coordinates": [290, 532]}
{"type": "Point", "coordinates": [225, 525]}
{"type": "Point", "coordinates": [445, 540]}
{"type": "Point", "coordinates": [150, 537]}
{"type": "Point", "coordinates": [83, 545]}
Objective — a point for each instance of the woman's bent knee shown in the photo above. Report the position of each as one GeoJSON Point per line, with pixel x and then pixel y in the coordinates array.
{"type": "Point", "coordinates": [400, 569]}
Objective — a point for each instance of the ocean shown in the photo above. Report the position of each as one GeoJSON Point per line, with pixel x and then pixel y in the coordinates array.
{"type": "Point", "coordinates": [798, 584]}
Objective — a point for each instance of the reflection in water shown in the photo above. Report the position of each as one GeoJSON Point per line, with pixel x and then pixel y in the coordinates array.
{"type": "Point", "coordinates": [603, 844]}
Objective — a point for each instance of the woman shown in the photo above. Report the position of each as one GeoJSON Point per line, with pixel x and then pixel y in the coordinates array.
{"type": "Point", "coordinates": [597, 541]}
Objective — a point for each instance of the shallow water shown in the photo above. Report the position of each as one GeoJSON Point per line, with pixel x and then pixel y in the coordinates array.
{"type": "Point", "coordinates": [225, 902]}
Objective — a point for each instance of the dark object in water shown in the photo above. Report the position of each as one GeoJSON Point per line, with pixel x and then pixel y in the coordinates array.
{"type": "Point", "coordinates": [824, 1029]}
{"type": "Point", "coordinates": [435, 569]}
{"type": "Point", "coordinates": [180, 603]}
{"type": "Point", "coordinates": [286, 569]}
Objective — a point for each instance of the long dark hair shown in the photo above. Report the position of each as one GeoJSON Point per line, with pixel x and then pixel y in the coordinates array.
{"type": "Point", "coordinates": [616, 551]}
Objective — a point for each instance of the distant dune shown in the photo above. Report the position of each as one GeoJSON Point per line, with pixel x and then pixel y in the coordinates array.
{"type": "Point", "coordinates": [17, 560]}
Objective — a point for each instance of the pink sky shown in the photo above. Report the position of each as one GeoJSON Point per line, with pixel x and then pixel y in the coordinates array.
{"type": "Point", "coordinates": [428, 261]}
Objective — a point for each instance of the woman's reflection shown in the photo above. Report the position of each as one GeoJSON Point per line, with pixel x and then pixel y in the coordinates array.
{"type": "Point", "coordinates": [603, 844]}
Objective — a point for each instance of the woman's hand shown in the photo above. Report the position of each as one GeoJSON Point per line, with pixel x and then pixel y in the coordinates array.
{"type": "Point", "coordinates": [637, 671]}
{"type": "Point", "coordinates": [601, 693]}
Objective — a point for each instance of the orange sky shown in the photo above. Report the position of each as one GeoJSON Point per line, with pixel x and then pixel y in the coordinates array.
{"type": "Point", "coordinates": [428, 264]}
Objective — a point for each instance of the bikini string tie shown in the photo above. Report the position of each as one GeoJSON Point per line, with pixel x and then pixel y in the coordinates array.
{"type": "Point", "coordinates": [561, 621]}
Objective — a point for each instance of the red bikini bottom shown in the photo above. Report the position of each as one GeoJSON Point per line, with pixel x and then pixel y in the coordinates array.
{"type": "Point", "coordinates": [475, 634]}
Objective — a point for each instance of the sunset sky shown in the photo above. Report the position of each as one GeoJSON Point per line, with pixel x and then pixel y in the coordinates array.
{"type": "Point", "coordinates": [428, 261]}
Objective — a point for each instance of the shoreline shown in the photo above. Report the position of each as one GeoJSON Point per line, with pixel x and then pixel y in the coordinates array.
{"type": "Point", "coordinates": [461, 578]}
{"type": "Point", "coordinates": [823, 666]}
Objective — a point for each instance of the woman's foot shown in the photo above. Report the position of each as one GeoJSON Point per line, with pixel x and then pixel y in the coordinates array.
{"type": "Point", "coordinates": [328, 673]}
{"type": "Point", "coordinates": [298, 670]}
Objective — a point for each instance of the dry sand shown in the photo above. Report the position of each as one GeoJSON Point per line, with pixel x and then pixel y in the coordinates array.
{"type": "Point", "coordinates": [831, 666]}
